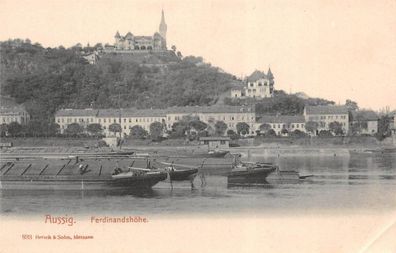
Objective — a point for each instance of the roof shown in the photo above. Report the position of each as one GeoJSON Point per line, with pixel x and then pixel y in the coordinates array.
{"type": "Point", "coordinates": [237, 88]}
{"type": "Point", "coordinates": [211, 109]}
{"type": "Point", "coordinates": [364, 115]}
{"type": "Point", "coordinates": [326, 109]}
{"type": "Point", "coordinates": [215, 138]}
{"type": "Point", "coordinates": [76, 112]}
{"type": "Point", "coordinates": [282, 119]}
{"type": "Point", "coordinates": [12, 110]}
{"type": "Point", "coordinates": [256, 75]}
{"type": "Point", "coordinates": [132, 112]}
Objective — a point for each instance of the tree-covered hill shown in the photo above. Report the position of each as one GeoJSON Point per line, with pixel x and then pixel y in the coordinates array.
{"type": "Point", "coordinates": [46, 79]}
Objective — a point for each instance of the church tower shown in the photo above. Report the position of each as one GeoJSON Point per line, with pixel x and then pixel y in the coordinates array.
{"type": "Point", "coordinates": [163, 27]}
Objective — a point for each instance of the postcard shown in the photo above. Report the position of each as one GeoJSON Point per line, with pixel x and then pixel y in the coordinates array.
{"type": "Point", "coordinates": [197, 126]}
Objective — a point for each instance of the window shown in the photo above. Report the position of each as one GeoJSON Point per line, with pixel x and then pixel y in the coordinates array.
{"type": "Point", "coordinates": [222, 142]}
{"type": "Point", "coordinates": [114, 120]}
{"type": "Point", "coordinates": [292, 125]}
{"type": "Point", "coordinates": [206, 142]}
{"type": "Point", "coordinates": [124, 120]}
{"type": "Point", "coordinates": [100, 120]}
{"type": "Point", "coordinates": [251, 84]}
{"type": "Point", "coordinates": [104, 120]}
{"type": "Point", "coordinates": [260, 84]}
{"type": "Point", "coordinates": [129, 120]}
{"type": "Point", "coordinates": [58, 120]}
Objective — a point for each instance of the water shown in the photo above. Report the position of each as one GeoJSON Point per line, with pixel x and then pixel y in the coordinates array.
{"type": "Point", "coordinates": [344, 183]}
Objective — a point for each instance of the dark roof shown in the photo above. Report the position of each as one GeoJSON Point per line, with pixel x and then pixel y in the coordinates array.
{"type": "Point", "coordinates": [215, 138]}
{"type": "Point", "coordinates": [256, 75]}
{"type": "Point", "coordinates": [132, 112]}
{"type": "Point", "coordinates": [364, 115]}
{"type": "Point", "coordinates": [12, 110]}
{"type": "Point", "coordinates": [211, 109]}
{"type": "Point", "coordinates": [76, 112]}
{"type": "Point", "coordinates": [326, 109]}
{"type": "Point", "coordinates": [282, 119]}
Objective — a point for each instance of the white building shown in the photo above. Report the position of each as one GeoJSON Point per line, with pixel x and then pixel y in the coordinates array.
{"type": "Point", "coordinates": [324, 115]}
{"type": "Point", "coordinates": [287, 122]}
{"type": "Point", "coordinates": [257, 85]}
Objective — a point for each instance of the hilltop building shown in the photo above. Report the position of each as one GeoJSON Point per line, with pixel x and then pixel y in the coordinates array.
{"type": "Point", "coordinates": [132, 43]}
{"type": "Point", "coordinates": [257, 85]}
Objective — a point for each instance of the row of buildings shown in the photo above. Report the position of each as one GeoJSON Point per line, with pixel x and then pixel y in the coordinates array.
{"type": "Point", "coordinates": [230, 115]}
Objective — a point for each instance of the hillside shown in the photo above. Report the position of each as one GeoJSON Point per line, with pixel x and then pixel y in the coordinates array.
{"type": "Point", "coordinates": [46, 79]}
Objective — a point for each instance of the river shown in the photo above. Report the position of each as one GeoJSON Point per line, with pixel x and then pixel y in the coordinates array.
{"type": "Point", "coordinates": [359, 182]}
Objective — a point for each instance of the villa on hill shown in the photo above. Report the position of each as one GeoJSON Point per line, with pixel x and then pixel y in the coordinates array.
{"type": "Point", "coordinates": [257, 85]}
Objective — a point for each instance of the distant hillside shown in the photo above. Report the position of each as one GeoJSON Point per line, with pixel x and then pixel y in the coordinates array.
{"type": "Point", "coordinates": [46, 79]}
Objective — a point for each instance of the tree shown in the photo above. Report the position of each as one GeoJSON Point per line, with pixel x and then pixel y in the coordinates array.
{"type": "Point", "coordinates": [14, 129]}
{"type": "Point", "coordinates": [3, 130]}
{"type": "Point", "coordinates": [298, 134]}
{"type": "Point", "coordinates": [115, 128]}
{"type": "Point", "coordinates": [138, 132]}
{"type": "Point", "coordinates": [198, 125]}
{"type": "Point", "coordinates": [220, 128]}
{"type": "Point", "coordinates": [265, 127]}
{"type": "Point", "coordinates": [34, 128]}
{"type": "Point", "coordinates": [325, 133]}
{"type": "Point", "coordinates": [179, 54]}
{"type": "Point", "coordinates": [94, 129]}
{"type": "Point", "coordinates": [284, 131]}
{"type": "Point", "coordinates": [179, 129]}
{"type": "Point", "coordinates": [270, 133]}
{"type": "Point", "coordinates": [384, 128]}
{"type": "Point", "coordinates": [156, 130]}
{"type": "Point", "coordinates": [351, 105]}
{"type": "Point", "coordinates": [311, 126]}
{"type": "Point", "coordinates": [173, 48]}
{"type": "Point", "coordinates": [231, 133]}
{"type": "Point", "coordinates": [242, 128]}
{"type": "Point", "coordinates": [53, 129]}
{"type": "Point", "coordinates": [74, 129]}
{"type": "Point", "coordinates": [336, 128]}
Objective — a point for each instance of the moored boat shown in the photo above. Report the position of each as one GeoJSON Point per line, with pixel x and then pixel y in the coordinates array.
{"type": "Point", "coordinates": [250, 174]}
{"type": "Point", "coordinates": [134, 179]}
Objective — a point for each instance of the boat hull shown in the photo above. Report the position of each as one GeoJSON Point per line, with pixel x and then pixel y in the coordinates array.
{"type": "Point", "coordinates": [249, 177]}
{"type": "Point", "coordinates": [183, 174]}
{"type": "Point", "coordinates": [80, 182]}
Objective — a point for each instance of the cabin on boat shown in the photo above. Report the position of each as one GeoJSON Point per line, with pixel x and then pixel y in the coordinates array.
{"type": "Point", "coordinates": [215, 142]}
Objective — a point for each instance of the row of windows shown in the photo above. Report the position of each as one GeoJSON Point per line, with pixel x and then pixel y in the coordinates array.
{"type": "Point", "coordinates": [258, 84]}
{"type": "Point", "coordinates": [323, 117]}
{"type": "Point", "coordinates": [109, 120]}
{"type": "Point", "coordinates": [289, 126]}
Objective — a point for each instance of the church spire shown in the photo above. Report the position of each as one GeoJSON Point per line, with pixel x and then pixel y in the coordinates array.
{"type": "Point", "coordinates": [269, 74]}
{"type": "Point", "coordinates": [163, 27]}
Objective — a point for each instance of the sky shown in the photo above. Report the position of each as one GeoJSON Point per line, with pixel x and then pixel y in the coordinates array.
{"type": "Point", "coordinates": [331, 49]}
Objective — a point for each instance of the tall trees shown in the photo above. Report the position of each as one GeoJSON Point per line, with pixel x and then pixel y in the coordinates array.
{"type": "Point", "coordinates": [94, 129]}
{"type": "Point", "coordinates": [138, 132]}
{"type": "Point", "coordinates": [156, 130]}
{"type": "Point", "coordinates": [74, 129]}
{"type": "Point", "coordinates": [242, 128]}
{"type": "Point", "coordinates": [220, 128]}
{"type": "Point", "coordinates": [311, 126]}
{"type": "Point", "coordinates": [115, 128]}
{"type": "Point", "coordinates": [336, 128]}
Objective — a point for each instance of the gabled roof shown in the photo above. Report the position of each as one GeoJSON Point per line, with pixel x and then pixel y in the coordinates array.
{"type": "Point", "coordinates": [256, 75]}
{"type": "Point", "coordinates": [287, 119]}
{"type": "Point", "coordinates": [326, 109]}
